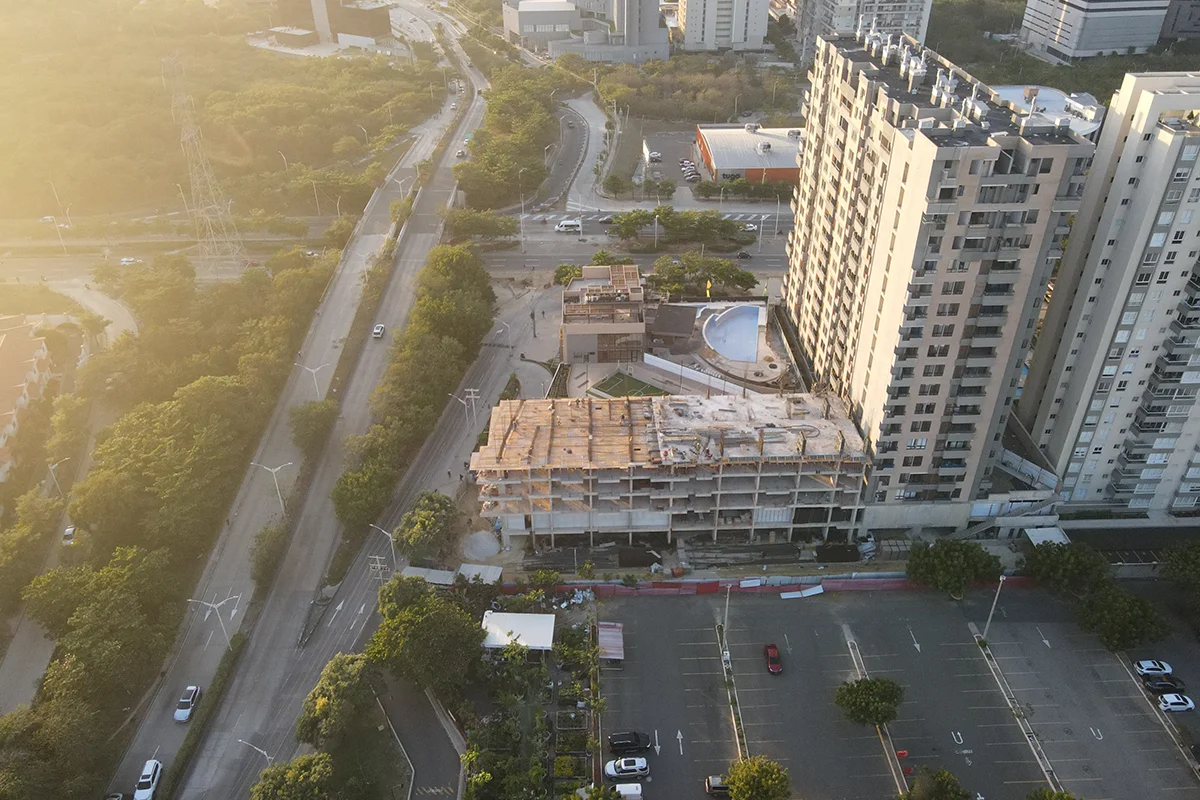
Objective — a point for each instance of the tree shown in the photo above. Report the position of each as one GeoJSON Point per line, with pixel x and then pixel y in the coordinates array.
{"type": "Point", "coordinates": [307, 777]}
{"type": "Point", "coordinates": [359, 496]}
{"type": "Point", "coordinates": [339, 231]}
{"type": "Point", "coordinates": [691, 276]}
{"type": "Point", "coordinates": [951, 565]}
{"type": "Point", "coordinates": [311, 422]}
{"type": "Point", "coordinates": [939, 785]}
{"type": "Point", "coordinates": [1062, 568]}
{"type": "Point", "coordinates": [603, 258]}
{"type": "Point", "coordinates": [464, 223]}
{"type": "Point", "coordinates": [1121, 620]}
{"type": "Point", "coordinates": [1042, 793]}
{"type": "Point", "coordinates": [428, 526]}
{"type": "Point", "coordinates": [758, 778]}
{"type": "Point", "coordinates": [666, 188]}
{"type": "Point", "coordinates": [869, 701]}
{"type": "Point", "coordinates": [1181, 565]}
{"type": "Point", "coordinates": [69, 425]}
{"type": "Point", "coordinates": [565, 273]}
{"type": "Point", "coordinates": [629, 225]}
{"type": "Point", "coordinates": [430, 641]}
{"type": "Point", "coordinates": [337, 702]}
{"type": "Point", "coordinates": [616, 184]}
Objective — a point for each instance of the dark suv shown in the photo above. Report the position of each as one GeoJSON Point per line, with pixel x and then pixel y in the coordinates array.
{"type": "Point", "coordinates": [628, 742]}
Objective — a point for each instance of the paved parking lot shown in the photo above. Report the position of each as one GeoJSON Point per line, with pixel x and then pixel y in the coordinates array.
{"type": "Point", "coordinates": [1104, 740]}
{"type": "Point", "coordinates": [1104, 737]}
{"type": "Point", "coordinates": [671, 686]}
{"type": "Point", "coordinates": [673, 145]}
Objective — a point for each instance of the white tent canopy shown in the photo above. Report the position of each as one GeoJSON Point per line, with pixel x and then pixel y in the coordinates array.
{"type": "Point", "coordinates": [535, 631]}
{"type": "Point", "coordinates": [1042, 535]}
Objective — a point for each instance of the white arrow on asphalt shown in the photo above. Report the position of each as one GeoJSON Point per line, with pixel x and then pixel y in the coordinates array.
{"type": "Point", "coordinates": [362, 608]}
{"type": "Point", "coordinates": [657, 747]}
{"type": "Point", "coordinates": [335, 613]}
{"type": "Point", "coordinates": [916, 644]}
{"type": "Point", "coordinates": [679, 736]}
{"type": "Point", "coordinates": [1045, 641]}
{"type": "Point", "coordinates": [788, 643]}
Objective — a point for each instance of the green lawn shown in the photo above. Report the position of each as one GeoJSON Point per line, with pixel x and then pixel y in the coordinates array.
{"type": "Point", "coordinates": [621, 385]}
{"type": "Point", "coordinates": [34, 298]}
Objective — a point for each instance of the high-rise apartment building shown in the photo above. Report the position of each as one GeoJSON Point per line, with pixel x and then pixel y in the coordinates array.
{"type": "Point", "coordinates": [1112, 388]}
{"type": "Point", "coordinates": [1070, 29]}
{"type": "Point", "coordinates": [723, 24]}
{"type": "Point", "coordinates": [929, 217]}
{"type": "Point", "coordinates": [832, 19]}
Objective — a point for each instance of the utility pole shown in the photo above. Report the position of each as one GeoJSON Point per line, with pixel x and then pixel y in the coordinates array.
{"type": "Point", "coordinates": [533, 317]}
{"type": "Point", "coordinates": [472, 396]}
{"type": "Point", "coordinates": [317, 199]}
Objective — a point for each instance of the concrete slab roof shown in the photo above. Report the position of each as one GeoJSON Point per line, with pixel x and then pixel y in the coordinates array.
{"type": "Point", "coordinates": [734, 147]}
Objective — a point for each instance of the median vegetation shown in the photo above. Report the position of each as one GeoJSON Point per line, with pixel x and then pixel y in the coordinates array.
{"type": "Point", "coordinates": [451, 315]}
{"type": "Point", "coordinates": [191, 392]}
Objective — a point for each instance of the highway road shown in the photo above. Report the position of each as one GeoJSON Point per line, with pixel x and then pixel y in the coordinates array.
{"type": "Point", "coordinates": [270, 656]}
{"type": "Point", "coordinates": [566, 157]}
{"type": "Point", "coordinates": [265, 694]}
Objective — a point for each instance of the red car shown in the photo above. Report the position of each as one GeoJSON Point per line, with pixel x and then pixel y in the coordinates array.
{"type": "Point", "coordinates": [774, 662]}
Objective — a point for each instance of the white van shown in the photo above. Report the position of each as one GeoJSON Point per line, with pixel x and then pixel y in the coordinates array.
{"type": "Point", "coordinates": [632, 791]}
{"type": "Point", "coordinates": [570, 226]}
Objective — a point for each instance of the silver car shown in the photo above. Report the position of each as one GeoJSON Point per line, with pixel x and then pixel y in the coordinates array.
{"type": "Point", "coordinates": [626, 768]}
{"type": "Point", "coordinates": [183, 710]}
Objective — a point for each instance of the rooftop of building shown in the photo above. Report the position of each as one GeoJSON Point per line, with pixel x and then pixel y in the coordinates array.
{"type": "Point", "coordinates": [679, 430]}
{"type": "Point", "coordinates": [292, 30]}
{"type": "Point", "coordinates": [602, 291]}
{"type": "Point", "coordinates": [19, 352]}
{"type": "Point", "coordinates": [951, 106]}
{"type": "Point", "coordinates": [545, 5]}
{"type": "Point", "coordinates": [735, 147]}
{"type": "Point", "coordinates": [1085, 112]}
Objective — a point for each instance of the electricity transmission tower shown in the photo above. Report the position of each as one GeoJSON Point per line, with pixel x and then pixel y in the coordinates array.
{"type": "Point", "coordinates": [220, 244]}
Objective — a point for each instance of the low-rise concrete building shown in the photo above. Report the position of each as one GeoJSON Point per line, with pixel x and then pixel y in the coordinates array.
{"type": "Point", "coordinates": [768, 468]}
{"type": "Point", "coordinates": [24, 373]}
{"type": "Point", "coordinates": [603, 316]}
{"type": "Point", "coordinates": [622, 31]}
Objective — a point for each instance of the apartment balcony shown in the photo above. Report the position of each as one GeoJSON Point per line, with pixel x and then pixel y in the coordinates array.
{"type": "Point", "coordinates": [1181, 344]}
{"type": "Point", "coordinates": [958, 428]}
{"type": "Point", "coordinates": [1188, 323]}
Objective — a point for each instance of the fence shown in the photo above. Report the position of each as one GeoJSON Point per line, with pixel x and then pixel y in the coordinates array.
{"type": "Point", "coordinates": [711, 381]}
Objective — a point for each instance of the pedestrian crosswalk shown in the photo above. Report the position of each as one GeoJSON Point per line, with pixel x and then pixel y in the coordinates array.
{"type": "Point", "coordinates": [596, 216]}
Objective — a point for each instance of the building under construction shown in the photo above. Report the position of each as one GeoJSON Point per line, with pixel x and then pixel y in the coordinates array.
{"type": "Point", "coordinates": [761, 467]}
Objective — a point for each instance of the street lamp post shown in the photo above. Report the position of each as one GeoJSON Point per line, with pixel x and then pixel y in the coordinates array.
{"type": "Point", "coordinates": [216, 608]}
{"type": "Point", "coordinates": [270, 759]}
{"type": "Point", "coordinates": [68, 213]}
{"type": "Point", "coordinates": [366, 136]}
{"type": "Point", "coordinates": [521, 188]}
{"type": "Point", "coordinates": [391, 541]}
{"type": "Point", "coordinates": [656, 232]}
{"type": "Point", "coordinates": [316, 198]}
{"type": "Point", "coordinates": [725, 623]}
{"type": "Point", "coordinates": [313, 371]}
{"type": "Point", "coordinates": [286, 169]}
{"type": "Point", "coordinates": [275, 476]}
{"type": "Point", "coordinates": [183, 197]}
{"type": "Point", "coordinates": [988, 624]}
{"type": "Point", "coordinates": [507, 331]}
{"type": "Point", "coordinates": [55, 477]}
{"type": "Point", "coordinates": [466, 408]}
{"type": "Point", "coordinates": [58, 230]}
{"type": "Point", "coordinates": [735, 105]}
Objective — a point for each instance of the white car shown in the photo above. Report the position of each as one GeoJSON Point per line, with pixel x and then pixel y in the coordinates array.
{"type": "Point", "coordinates": [749, 226]}
{"type": "Point", "coordinates": [147, 784]}
{"type": "Point", "coordinates": [1152, 667]}
{"type": "Point", "coordinates": [454, 106]}
{"type": "Point", "coordinates": [377, 332]}
{"type": "Point", "coordinates": [47, 219]}
{"type": "Point", "coordinates": [1175, 702]}
{"type": "Point", "coordinates": [623, 768]}
{"type": "Point", "coordinates": [183, 710]}
{"type": "Point", "coordinates": [68, 536]}
{"type": "Point", "coordinates": [127, 262]}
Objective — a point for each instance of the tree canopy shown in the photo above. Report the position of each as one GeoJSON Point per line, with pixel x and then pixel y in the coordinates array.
{"type": "Point", "coordinates": [691, 276]}
{"type": "Point", "coordinates": [311, 423]}
{"type": "Point", "coordinates": [951, 565]}
{"type": "Point", "coordinates": [429, 526]}
{"type": "Point", "coordinates": [1076, 567]}
{"type": "Point", "coordinates": [758, 778]}
{"type": "Point", "coordinates": [337, 702]}
{"type": "Point", "coordinates": [869, 701]}
{"type": "Point", "coordinates": [306, 777]}
{"type": "Point", "coordinates": [936, 785]}
{"type": "Point", "coordinates": [1122, 620]}
{"type": "Point", "coordinates": [467, 223]}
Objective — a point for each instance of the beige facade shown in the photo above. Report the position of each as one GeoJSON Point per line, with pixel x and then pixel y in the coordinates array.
{"type": "Point", "coordinates": [929, 218]}
{"type": "Point", "coordinates": [760, 467]}
{"type": "Point", "coordinates": [1111, 394]}
{"type": "Point", "coordinates": [603, 316]}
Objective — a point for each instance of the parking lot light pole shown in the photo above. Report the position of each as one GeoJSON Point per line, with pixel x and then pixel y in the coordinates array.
{"type": "Point", "coordinates": [725, 624]}
{"type": "Point", "coordinates": [988, 624]}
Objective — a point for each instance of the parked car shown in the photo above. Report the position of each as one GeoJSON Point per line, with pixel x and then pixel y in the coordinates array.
{"type": "Point", "coordinates": [716, 785]}
{"type": "Point", "coordinates": [1152, 667]}
{"type": "Point", "coordinates": [1175, 702]}
{"type": "Point", "coordinates": [743, 254]}
{"type": "Point", "coordinates": [570, 123]}
{"type": "Point", "coordinates": [377, 332]}
{"type": "Point", "coordinates": [183, 709]}
{"type": "Point", "coordinates": [628, 742]}
{"type": "Point", "coordinates": [1163, 684]}
{"type": "Point", "coordinates": [749, 226]}
{"type": "Point", "coordinates": [147, 784]}
{"type": "Point", "coordinates": [623, 768]}
{"type": "Point", "coordinates": [628, 791]}
{"type": "Point", "coordinates": [692, 178]}
{"type": "Point", "coordinates": [68, 536]}
{"type": "Point", "coordinates": [774, 662]}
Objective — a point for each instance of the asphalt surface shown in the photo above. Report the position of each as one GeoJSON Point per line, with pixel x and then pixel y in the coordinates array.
{"type": "Point", "coordinates": [267, 676]}
{"type": "Point", "coordinates": [567, 155]}
{"type": "Point", "coordinates": [672, 687]}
